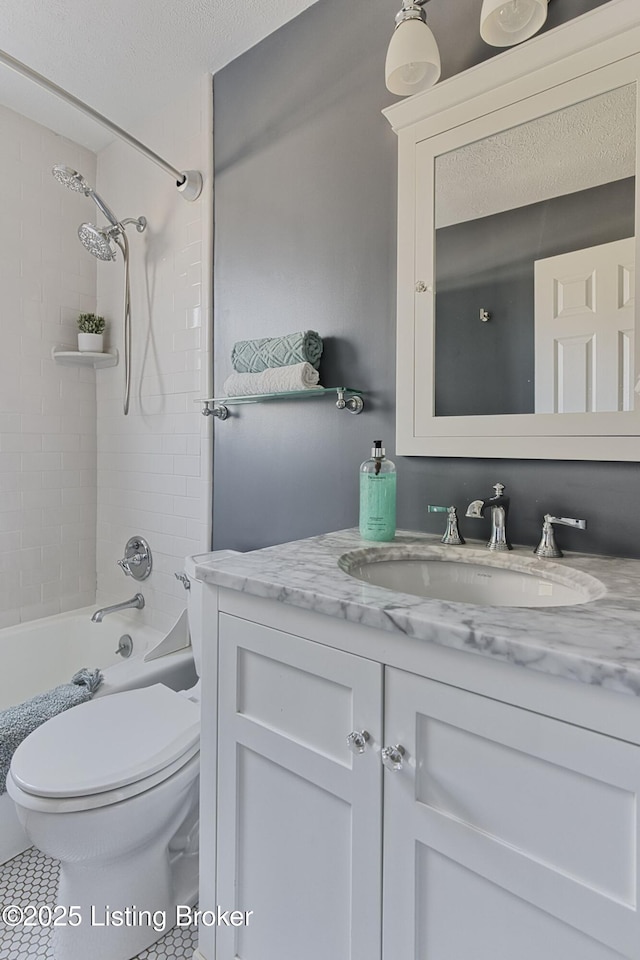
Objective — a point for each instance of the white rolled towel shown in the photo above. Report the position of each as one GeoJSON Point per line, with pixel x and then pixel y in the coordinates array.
{"type": "Point", "coordinates": [297, 376]}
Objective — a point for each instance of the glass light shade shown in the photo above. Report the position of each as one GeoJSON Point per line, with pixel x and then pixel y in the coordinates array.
{"type": "Point", "coordinates": [506, 22]}
{"type": "Point", "coordinates": [413, 59]}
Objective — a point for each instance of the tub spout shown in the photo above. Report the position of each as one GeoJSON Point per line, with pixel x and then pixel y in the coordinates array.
{"type": "Point", "coordinates": [136, 602]}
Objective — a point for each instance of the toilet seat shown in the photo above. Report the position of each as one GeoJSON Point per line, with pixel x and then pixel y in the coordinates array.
{"type": "Point", "coordinates": [185, 766]}
{"type": "Point", "coordinates": [106, 750]}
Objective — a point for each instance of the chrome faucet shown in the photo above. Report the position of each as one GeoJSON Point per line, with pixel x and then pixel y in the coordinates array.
{"type": "Point", "coordinates": [499, 510]}
{"type": "Point", "coordinates": [136, 602]}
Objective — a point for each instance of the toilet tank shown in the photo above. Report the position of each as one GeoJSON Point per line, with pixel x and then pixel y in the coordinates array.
{"type": "Point", "coordinates": [195, 600]}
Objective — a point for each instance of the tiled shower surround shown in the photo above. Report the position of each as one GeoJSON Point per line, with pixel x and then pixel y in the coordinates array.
{"type": "Point", "coordinates": [47, 412]}
{"type": "Point", "coordinates": [73, 468]}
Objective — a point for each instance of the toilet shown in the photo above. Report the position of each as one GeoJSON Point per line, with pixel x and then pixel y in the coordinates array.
{"type": "Point", "coordinates": [110, 789]}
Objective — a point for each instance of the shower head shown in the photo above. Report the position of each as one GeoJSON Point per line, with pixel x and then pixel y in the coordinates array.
{"type": "Point", "coordinates": [97, 240]}
{"type": "Point", "coordinates": [71, 178]}
{"type": "Point", "coordinates": [75, 181]}
{"type": "Point", "coordinates": [101, 242]}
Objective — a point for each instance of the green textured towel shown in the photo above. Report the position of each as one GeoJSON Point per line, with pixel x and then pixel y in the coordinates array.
{"type": "Point", "coordinates": [254, 356]}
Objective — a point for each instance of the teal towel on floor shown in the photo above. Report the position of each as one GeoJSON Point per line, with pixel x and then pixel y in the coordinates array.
{"type": "Point", "coordinates": [254, 356]}
{"type": "Point", "coordinates": [16, 723]}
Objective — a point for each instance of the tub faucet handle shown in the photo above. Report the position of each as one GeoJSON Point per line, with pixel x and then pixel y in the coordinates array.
{"type": "Point", "coordinates": [183, 578]}
{"type": "Point", "coordinates": [127, 562]}
{"type": "Point", "coordinates": [137, 560]}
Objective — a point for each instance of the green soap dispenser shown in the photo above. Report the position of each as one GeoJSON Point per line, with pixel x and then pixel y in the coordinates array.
{"type": "Point", "coordinates": [377, 496]}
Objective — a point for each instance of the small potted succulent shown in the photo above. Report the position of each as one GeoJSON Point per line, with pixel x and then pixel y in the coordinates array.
{"type": "Point", "coordinates": [90, 331]}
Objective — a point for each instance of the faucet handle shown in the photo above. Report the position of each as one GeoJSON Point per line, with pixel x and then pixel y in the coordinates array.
{"type": "Point", "coordinates": [452, 534]}
{"type": "Point", "coordinates": [499, 489]}
{"type": "Point", "coordinates": [137, 559]}
{"type": "Point", "coordinates": [134, 561]}
{"type": "Point", "coordinates": [548, 547]}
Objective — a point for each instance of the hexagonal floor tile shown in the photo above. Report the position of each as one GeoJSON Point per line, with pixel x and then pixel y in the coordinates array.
{"type": "Point", "coordinates": [32, 878]}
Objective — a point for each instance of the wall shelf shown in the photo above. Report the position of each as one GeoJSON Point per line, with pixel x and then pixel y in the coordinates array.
{"type": "Point", "coordinates": [347, 399]}
{"type": "Point", "coordinates": [74, 358]}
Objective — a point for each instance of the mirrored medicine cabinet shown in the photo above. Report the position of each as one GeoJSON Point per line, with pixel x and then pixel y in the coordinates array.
{"type": "Point", "coordinates": [517, 219]}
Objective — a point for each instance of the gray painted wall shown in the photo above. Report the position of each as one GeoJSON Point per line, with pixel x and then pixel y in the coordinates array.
{"type": "Point", "coordinates": [305, 238]}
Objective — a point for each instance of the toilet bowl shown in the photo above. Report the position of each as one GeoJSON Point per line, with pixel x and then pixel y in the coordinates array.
{"type": "Point", "coordinates": [110, 789]}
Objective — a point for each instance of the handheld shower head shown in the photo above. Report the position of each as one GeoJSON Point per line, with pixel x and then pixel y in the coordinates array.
{"type": "Point", "coordinates": [71, 178]}
{"type": "Point", "coordinates": [75, 181]}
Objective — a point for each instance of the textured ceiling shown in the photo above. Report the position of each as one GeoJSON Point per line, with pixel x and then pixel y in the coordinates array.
{"type": "Point", "coordinates": [588, 144]}
{"type": "Point", "coordinates": [124, 57]}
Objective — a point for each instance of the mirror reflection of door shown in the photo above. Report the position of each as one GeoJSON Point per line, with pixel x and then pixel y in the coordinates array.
{"type": "Point", "coordinates": [584, 343]}
{"type": "Point", "coordinates": [553, 187]}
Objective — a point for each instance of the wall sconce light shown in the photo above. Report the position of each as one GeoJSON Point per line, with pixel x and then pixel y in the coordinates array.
{"type": "Point", "coordinates": [506, 22]}
{"type": "Point", "coordinates": [413, 58]}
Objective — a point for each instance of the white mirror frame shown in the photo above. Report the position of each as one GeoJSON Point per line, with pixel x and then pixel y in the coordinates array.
{"type": "Point", "coordinates": [580, 59]}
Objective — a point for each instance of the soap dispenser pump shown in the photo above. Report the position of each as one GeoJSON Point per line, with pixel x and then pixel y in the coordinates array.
{"type": "Point", "coordinates": [377, 496]}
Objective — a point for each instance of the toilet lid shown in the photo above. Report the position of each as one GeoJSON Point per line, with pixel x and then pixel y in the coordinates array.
{"type": "Point", "coordinates": [107, 743]}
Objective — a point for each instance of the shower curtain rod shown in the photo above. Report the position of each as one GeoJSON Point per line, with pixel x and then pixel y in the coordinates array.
{"type": "Point", "coordinates": [188, 182]}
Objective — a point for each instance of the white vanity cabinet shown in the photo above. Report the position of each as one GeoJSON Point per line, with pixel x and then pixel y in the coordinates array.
{"type": "Point", "coordinates": [504, 834]}
{"type": "Point", "coordinates": [298, 813]}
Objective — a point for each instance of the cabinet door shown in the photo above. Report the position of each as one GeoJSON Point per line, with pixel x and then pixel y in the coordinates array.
{"type": "Point", "coordinates": [299, 815]}
{"type": "Point", "coordinates": [507, 834]}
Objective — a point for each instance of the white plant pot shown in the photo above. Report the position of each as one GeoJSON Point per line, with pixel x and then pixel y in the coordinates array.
{"type": "Point", "coordinates": [90, 342]}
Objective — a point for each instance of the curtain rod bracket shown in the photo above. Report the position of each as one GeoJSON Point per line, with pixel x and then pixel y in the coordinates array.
{"type": "Point", "coordinates": [191, 186]}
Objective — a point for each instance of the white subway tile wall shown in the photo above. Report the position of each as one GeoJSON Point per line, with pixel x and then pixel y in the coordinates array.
{"type": "Point", "coordinates": [154, 466]}
{"type": "Point", "coordinates": [47, 411]}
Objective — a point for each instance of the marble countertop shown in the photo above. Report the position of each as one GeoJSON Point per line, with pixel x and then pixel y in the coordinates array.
{"type": "Point", "coordinates": [597, 642]}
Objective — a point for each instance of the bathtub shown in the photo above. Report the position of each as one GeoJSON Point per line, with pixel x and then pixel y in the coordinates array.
{"type": "Point", "coordinates": [38, 655]}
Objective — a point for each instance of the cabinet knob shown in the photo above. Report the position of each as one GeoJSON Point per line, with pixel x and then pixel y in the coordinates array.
{"type": "Point", "coordinates": [357, 741]}
{"type": "Point", "coordinates": [392, 757]}
{"type": "Point", "coordinates": [422, 287]}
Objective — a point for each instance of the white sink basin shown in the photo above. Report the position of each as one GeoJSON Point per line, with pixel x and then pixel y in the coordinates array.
{"type": "Point", "coordinates": [465, 575]}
